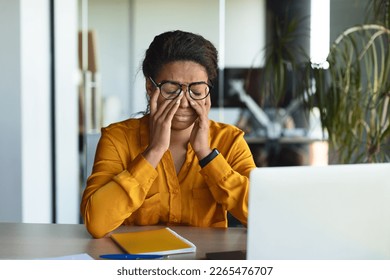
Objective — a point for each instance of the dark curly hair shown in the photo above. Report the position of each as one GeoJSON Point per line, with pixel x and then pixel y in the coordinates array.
{"type": "Point", "coordinates": [178, 46]}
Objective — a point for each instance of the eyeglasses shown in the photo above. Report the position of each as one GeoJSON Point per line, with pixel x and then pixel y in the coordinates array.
{"type": "Point", "coordinates": [170, 89]}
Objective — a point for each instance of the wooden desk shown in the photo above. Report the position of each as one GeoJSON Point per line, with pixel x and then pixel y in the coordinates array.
{"type": "Point", "coordinates": [32, 241]}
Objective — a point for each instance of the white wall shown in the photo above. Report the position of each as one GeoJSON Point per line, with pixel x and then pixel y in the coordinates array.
{"type": "Point", "coordinates": [25, 112]}
{"type": "Point", "coordinates": [25, 186]}
{"type": "Point", "coordinates": [66, 112]}
{"type": "Point", "coordinates": [35, 111]}
{"type": "Point", "coordinates": [245, 33]}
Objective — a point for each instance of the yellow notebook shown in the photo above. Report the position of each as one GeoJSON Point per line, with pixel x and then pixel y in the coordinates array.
{"type": "Point", "coordinates": [160, 241]}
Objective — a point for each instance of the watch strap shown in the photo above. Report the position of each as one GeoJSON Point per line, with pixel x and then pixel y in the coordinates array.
{"type": "Point", "coordinates": [204, 161]}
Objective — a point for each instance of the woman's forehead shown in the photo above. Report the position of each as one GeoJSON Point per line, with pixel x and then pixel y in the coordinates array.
{"type": "Point", "coordinates": [182, 71]}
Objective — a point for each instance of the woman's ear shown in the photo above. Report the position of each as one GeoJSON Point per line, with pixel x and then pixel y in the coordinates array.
{"type": "Point", "coordinates": [150, 87]}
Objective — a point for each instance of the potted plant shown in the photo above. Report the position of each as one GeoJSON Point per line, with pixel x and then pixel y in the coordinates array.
{"type": "Point", "coordinates": [353, 93]}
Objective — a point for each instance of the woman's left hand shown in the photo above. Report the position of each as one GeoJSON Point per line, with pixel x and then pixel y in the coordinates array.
{"type": "Point", "coordinates": [199, 138]}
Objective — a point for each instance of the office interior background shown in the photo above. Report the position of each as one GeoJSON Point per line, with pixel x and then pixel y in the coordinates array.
{"type": "Point", "coordinates": [49, 72]}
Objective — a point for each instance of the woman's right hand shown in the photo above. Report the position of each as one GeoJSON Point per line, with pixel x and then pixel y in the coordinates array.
{"type": "Point", "coordinates": [161, 115]}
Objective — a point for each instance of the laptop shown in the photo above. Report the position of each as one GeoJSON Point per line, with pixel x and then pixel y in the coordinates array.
{"type": "Point", "coordinates": [332, 212]}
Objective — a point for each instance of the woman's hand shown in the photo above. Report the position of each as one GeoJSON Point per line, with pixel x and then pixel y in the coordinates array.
{"type": "Point", "coordinates": [161, 114]}
{"type": "Point", "coordinates": [199, 138]}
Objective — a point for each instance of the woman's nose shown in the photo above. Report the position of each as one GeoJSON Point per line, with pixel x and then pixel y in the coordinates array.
{"type": "Point", "coordinates": [185, 101]}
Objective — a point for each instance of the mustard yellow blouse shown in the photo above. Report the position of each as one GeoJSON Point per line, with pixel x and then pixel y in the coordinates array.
{"type": "Point", "coordinates": [125, 189]}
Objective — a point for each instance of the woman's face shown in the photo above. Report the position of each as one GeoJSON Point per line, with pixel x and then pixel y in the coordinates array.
{"type": "Point", "coordinates": [183, 72]}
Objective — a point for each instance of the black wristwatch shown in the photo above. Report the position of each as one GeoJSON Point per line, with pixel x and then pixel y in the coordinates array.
{"type": "Point", "coordinates": [204, 161]}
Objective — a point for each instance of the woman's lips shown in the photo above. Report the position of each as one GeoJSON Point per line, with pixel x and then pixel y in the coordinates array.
{"type": "Point", "coordinates": [185, 115]}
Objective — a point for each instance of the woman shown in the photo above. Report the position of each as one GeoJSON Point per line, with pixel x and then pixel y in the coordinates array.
{"type": "Point", "coordinates": [173, 166]}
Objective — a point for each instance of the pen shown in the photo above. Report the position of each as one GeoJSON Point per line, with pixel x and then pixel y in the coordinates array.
{"type": "Point", "coordinates": [130, 257]}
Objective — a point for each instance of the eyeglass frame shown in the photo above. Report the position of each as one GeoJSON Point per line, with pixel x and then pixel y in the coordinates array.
{"type": "Point", "coordinates": [159, 85]}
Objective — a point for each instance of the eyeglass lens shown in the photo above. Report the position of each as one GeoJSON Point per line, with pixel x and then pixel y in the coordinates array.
{"type": "Point", "coordinates": [197, 91]}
